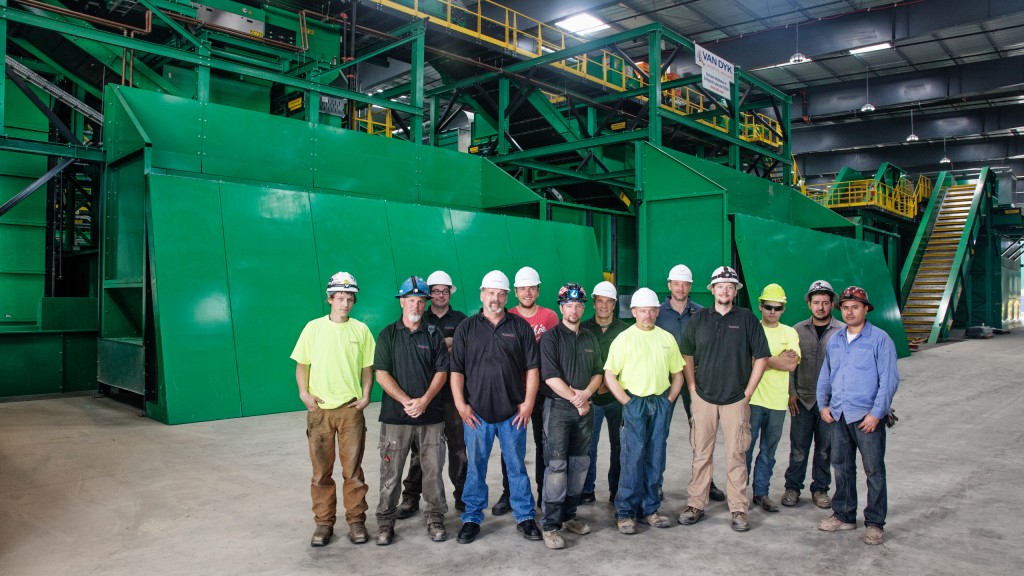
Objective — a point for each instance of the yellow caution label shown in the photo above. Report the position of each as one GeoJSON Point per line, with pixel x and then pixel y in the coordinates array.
{"type": "Point", "coordinates": [294, 104]}
{"type": "Point", "coordinates": [618, 125]}
{"type": "Point", "coordinates": [624, 198]}
{"type": "Point", "coordinates": [1013, 211]}
{"type": "Point", "coordinates": [255, 33]}
{"type": "Point", "coordinates": [474, 149]}
{"type": "Point", "coordinates": [609, 276]}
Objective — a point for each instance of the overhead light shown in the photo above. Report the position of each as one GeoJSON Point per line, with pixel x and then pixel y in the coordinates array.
{"type": "Point", "coordinates": [945, 159]}
{"type": "Point", "coordinates": [872, 48]}
{"type": "Point", "coordinates": [868, 106]}
{"type": "Point", "coordinates": [798, 56]}
{"type": "Point", "coordinates": [912, 137]}
{"type": "Point", "coordinates": [582, 24]}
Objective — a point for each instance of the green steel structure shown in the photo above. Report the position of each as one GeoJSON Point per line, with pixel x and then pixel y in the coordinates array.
{"type": "Point", "coordinates": [237, 164]}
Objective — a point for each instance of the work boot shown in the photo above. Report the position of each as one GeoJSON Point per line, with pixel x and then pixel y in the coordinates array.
{"type": "Point", "coordinates": [322, 535]}
{"type": "Point", "coordinates": [385, 534]}
{"type": "Point", "coordinates": [437, 532]}
{"type": "Point", "coordinates": [502, 506]}
{"type": "Point", "coordinates": [357, 533]}
{"type": "Point", "coordinates": [834, 524]}
{"type": "Point", "coordinates": [656, 520]}
{"type": "Point", "coordinates": [790, 498]}
{"type": "Point", "coordinates": [408, 507]}
{"type": "Point", "coordinates": [740, 522]}
{"type": "Point", "coordinates": [626, 525]}
{"type": "Point", "coordinates": [766, 503]}
{"type": "Point", "coordinates": [715, 494]}
{"type": "Point", "coordinates": [553, 539]}
{"type": "Point", "coordinates": [821, 500]}
{"type": "Point", "coordinates": [588, 498]}
{"type": "Point", "coordinates": [529, 530]}
{"type": "Point", "coordinates": [468, 532]}
{"type": "Point", "coordinates": [873, 535]}
{"type": "Point", "coordinates": [690, 516]}
{"type": "Point", "coordinates": [576, 526]}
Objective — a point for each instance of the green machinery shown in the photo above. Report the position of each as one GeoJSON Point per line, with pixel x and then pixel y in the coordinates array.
{"type": "Point", "coordinates": [238, 176]}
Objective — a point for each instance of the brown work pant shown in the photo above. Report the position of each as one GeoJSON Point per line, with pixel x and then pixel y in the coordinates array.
{"type": "Point", "coordinates": [735, 424]}
{"type": "Point", "coordinates": [349, 427]}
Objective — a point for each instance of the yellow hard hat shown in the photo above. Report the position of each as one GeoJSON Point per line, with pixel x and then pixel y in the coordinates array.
{"type": "Point", "coordinates": [773, 293]}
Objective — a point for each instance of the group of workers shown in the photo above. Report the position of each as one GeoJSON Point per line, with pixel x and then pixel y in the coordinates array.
{"type": "Point", "coordinates": [452, 384]}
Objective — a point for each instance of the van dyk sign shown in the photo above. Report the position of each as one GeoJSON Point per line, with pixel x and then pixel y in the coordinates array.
{"type": "Point", "coordinates": [716, 74]}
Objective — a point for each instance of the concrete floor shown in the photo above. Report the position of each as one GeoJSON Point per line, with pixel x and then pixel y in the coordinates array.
{"type": "Point", "coordinates": [88, 487]}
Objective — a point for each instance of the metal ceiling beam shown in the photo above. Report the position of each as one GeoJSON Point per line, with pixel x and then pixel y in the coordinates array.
{"type": "Point", "coordinates": [857, 29]}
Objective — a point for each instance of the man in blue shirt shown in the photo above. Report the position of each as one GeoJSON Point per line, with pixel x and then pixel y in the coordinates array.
{"type": "Point", "coordinates": [855, 388]}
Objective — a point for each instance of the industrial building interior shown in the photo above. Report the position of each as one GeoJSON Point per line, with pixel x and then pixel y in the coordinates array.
{"type": "Point", "coordinates": [178, 180]}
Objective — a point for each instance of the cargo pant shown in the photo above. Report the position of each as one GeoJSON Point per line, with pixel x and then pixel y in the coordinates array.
{"type": "Point", "coordinates": [345, 427]}
{"type": "Point", "coordinates": [734, 420]}
{"type": "Point", "coordinates": [396, 442]}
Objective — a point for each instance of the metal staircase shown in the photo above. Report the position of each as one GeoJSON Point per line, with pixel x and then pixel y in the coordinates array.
{"type": "Point", "coordinates": [943, 246]}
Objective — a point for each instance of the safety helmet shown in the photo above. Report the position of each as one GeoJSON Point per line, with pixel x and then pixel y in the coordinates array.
{"type": "Point", "coordinates": [440, 277]}
{"type": "Point", "coordinates": [606, 289]}
{"type": "Point", "coordinates": [495, 279]}
{"type": "Point", "coordinates": [772, 293]}
{"type": "Point", "coordinates": [680, 272]}
{"type": "Point", "coordinates": [413, 286]}
{"type": "Point", "coordinates": [857, 294]}
{"type": "Point", "coordinates": [527, 277]}
{"type": "Point", "coordinates": [644, 297]}
{"type": "Point", "coordinates": [820, 287]}
{"type": "Point", "coordinates": [342, 282]}
{"type": "Point", "coordinates": [725, 274]}
{"type": "Point", "coordinates": [571, 292]}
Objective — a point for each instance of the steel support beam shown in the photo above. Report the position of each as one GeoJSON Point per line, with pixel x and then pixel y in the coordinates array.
{"type": "Point", "coordinates": [86, 153]}
{"type": "Point", "coordinates": [39, 182]}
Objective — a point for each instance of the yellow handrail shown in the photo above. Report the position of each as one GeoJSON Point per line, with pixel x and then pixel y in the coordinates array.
{"type": "Point", "coordinates": [377, 122]}
{"type": "Point", "coordinates": [863, 193]}
{"type": "Point", "coordinates": [501, 26]}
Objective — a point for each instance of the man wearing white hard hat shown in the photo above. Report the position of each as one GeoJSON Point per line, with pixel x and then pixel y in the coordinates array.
{"type": "Point", "coordinates": [541, 320]}
{"type": "Point", "coordinates": [606, 325]}
{"type": "Point", "coordinates": [333, 368]}
{"type": "Point", "coordinates": [726, 354]}
{"type": "Point", "coordinates": [445, 319]}
{"type": "Point", "coordinates": [673, 316]}
{"type": "Point", "coordinates": [771, 397]}
{"type": "Point", "coordinates": [645, 373]}
{"type": "Point", "coordinates": [495, 374]}
{"type": "Point", "coordinates": [805, 423]}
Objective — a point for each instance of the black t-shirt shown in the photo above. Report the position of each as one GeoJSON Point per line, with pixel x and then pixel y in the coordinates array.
{"type": "Point", "coordinates": [604, 340]}
{"type": "Point", "coordinates": [573, 357]}
{"type": "Point", "coordinates": [494, 360]}
{"type": "Point", "coordinates": [722, 348]}
{"type": "Point", "coordinates": [447, 323]}
{"type": "Point", "coordinates": [820, 330]}
{"type": "Point", "coordinates": [412, 358]}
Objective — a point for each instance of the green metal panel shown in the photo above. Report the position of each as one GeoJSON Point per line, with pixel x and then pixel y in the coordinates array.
{"type": "Point", "coordinates": [279, 149]}
{"type": "Point", "coordinates": [524, 238]}
{"type": "Point", "coordinates": [68, 314]}
{"type": "Point", "coordinates": [125, 224]}
{"type": "Point", "coordinates": [482, 245]}
{"type": "Point", "coordinates": [271, 265]}
{"type": "Point", "coordinates": [694, 231]}
{"type": "Point", "coordinates": [192, 312]}
{"type": "Point", "coordinates": [79, 361]}
{"type": "Point", "coordinates": [173, 125]}
{"type": "Point", "coordinates": [368, 165]}
{"type": "Point", "coordinates": [773, 252]}
{"type": "Point", "coordinates": [23, 249]}
{"type": "Point", "coordinates": [21, 293]}
{"type": "Point", "coordinates": [225, 90]}
{"type": "Point", "coordinates": [409, 257]}
{"type": "Point", "coordinates": [30, 364]}
{"type": "Point", "coordinates": [578, 257]}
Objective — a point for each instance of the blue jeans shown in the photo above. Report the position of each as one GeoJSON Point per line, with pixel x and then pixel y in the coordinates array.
{"type": "Point", "coordinates": [479, 442]}
{"type": "Point", "coordinates": [847, 440]}
{"type": "Point", "coordinates": [806, 426]}
{"type": "Point", "coordinates": [644, 438]}
{"type": "Point", "coordinates": [766, 424]}
{"type": "Point", "coordinates": [567, 457]}
{"type": "Point", "coordinates": [613, 413]}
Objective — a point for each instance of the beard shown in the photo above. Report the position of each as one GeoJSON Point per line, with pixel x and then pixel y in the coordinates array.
{"type": "Point", "coordinates": [493, 307]}
{"type": "Point", "coordinates": [414, 317]}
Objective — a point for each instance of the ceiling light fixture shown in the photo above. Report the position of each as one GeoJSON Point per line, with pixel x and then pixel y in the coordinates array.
{"type": "Point", "coordinates": [868, 106]}
{"type": "Point", "coordinates": [945, 159]}
{"type": "Point", "coordinates": [872, 48]}
{"type": "Point", "coordinates": [798, 57]}
{"type": "Point", "coordinates": [912, 137]}
{"type": "Point", "coordinates": [582, 24]}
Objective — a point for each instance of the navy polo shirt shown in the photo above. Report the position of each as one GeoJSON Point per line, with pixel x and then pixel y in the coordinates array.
{"type": "Point", "coordinates": [674, 322]}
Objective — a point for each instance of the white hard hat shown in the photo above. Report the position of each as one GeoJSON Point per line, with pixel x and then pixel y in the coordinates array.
{"type": "Point", "coordinates": [727, 275]}
{"type": "Point", "coordinates": [527, 277]}
{"type": "Point", "coordinates": [644, 297]}
{"type": "Point", "coordinates": [680, 272]}
{"type": "Point", "coordinates": [495, 279]}
{"type": "Point", "coordinates": [606, 289]}
{"type": "Point", "coordinates": [442, 278]}
{"type": "Point", "coordinates": [342, 282]}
